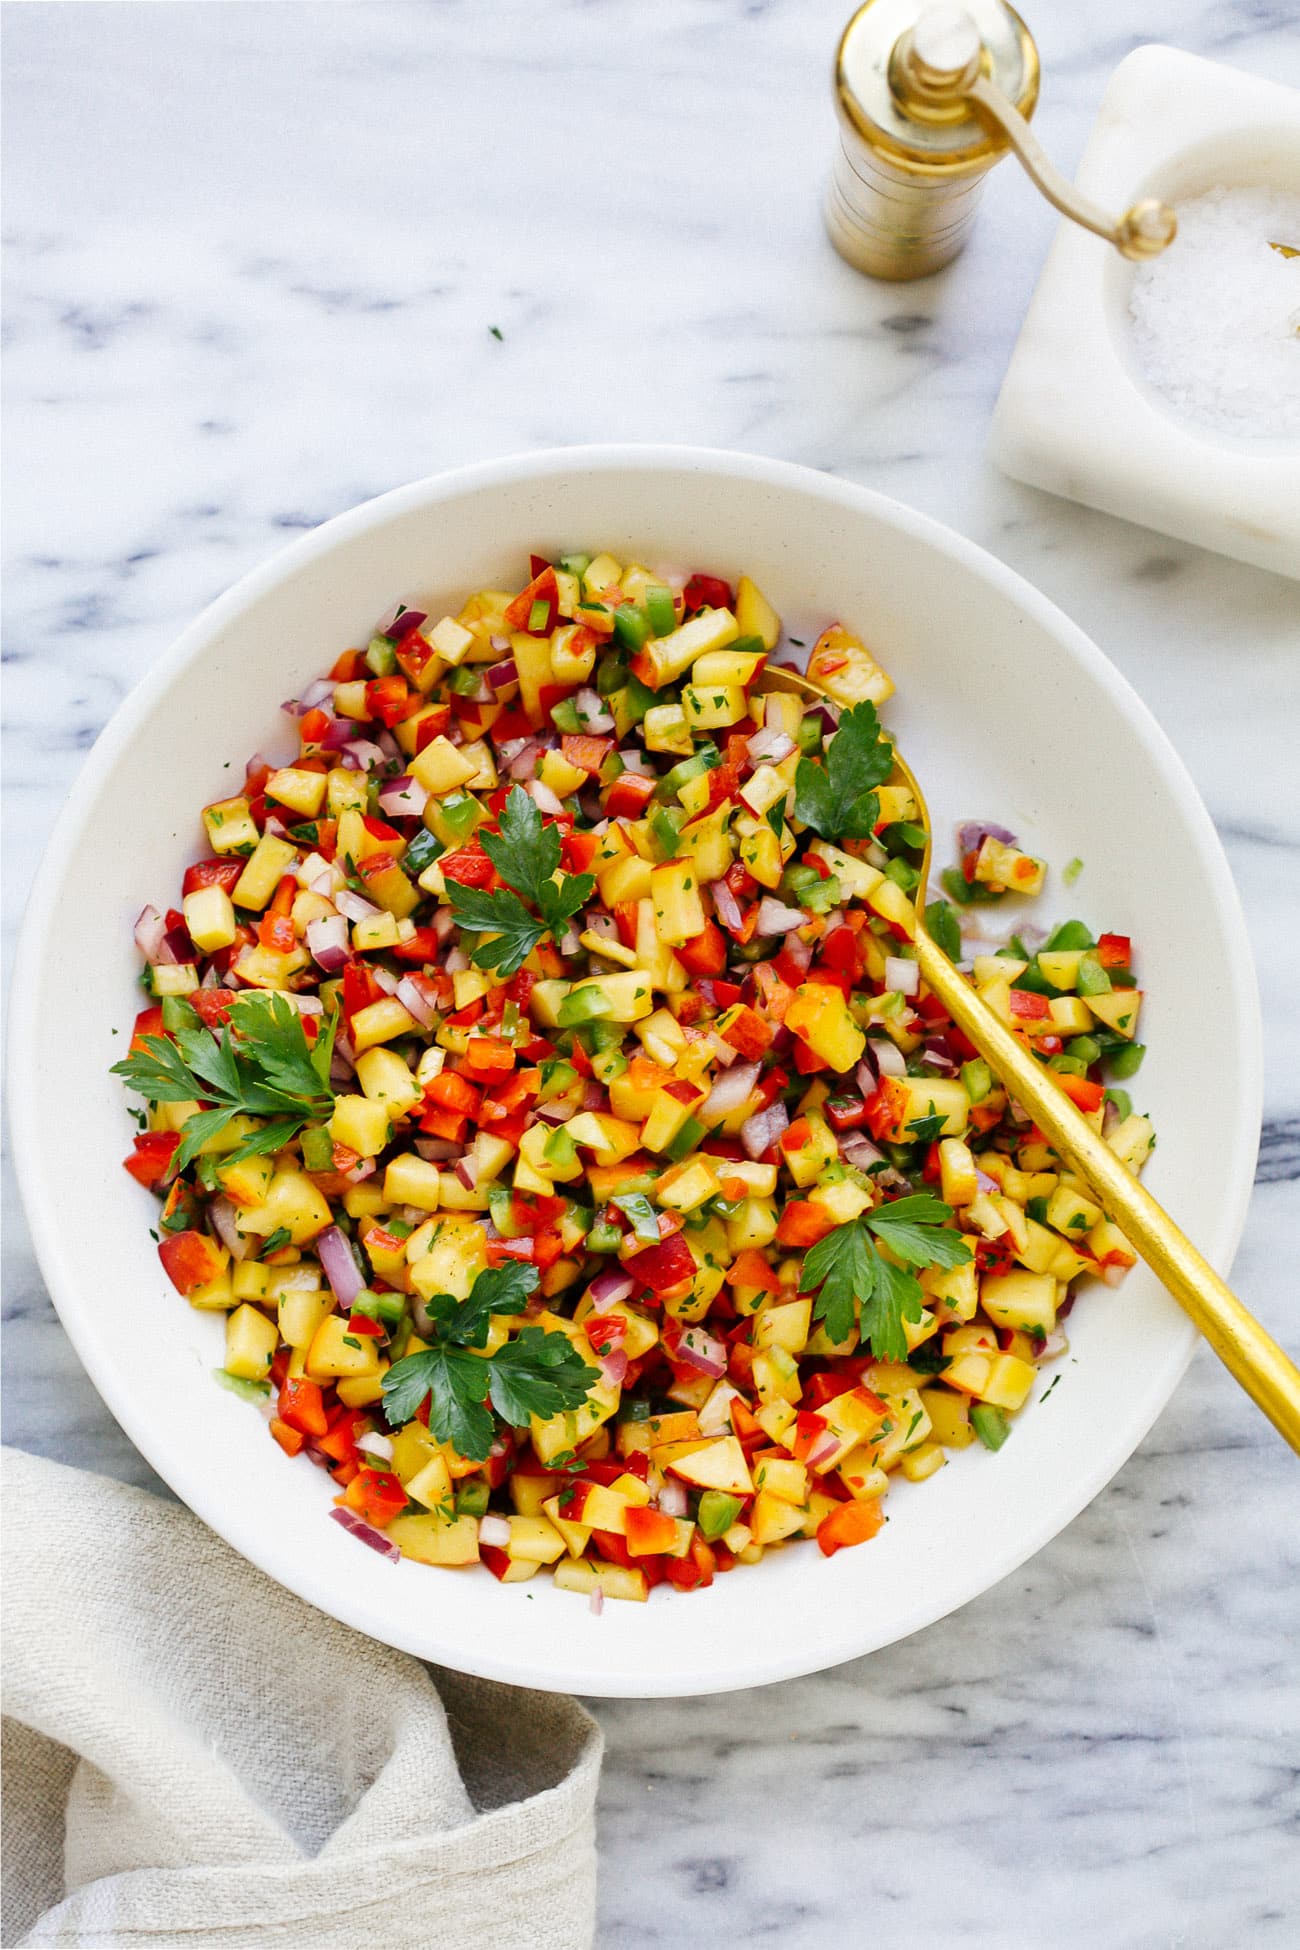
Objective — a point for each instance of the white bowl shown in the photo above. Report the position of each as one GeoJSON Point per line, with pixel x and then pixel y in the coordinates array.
{"type": "Point", "coordinates": [1005, 710]}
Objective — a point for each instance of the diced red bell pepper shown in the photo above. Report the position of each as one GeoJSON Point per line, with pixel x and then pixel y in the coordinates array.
{"type": "Point", "coordinates": [1026, 1006]}
{"type": "Point", "coordinates": [587, 752]}
{"type": "Point", "coordinates": [774, 994]}
{"type": "Point", "coordinates": [802, 1223]}
{"type": "Point", "coordinates": [212, 1006]}
{"type": "Point", "coordinates": [340, 1444]}
{"type": "Point", "coordinates": [302, 1406]}
{"type": "Point", "coordinates": [846, 1113]}
{"type": "Point", "coordinates": [707, 592]}
{"type": "Point", "coordinates": [664, 1266]}
{"type": "Point", "coordinates": [190, 1259]}
{"type": "Point", "coordinates": [362, 1323]}
{"type": "Point", "coordinates": [578, 850]}
{"type": "Point", "coordinates": [851, 1523]}
{"type": "Point", "coordinates": [695, 1572]}
{"type": "Point", "coordinates": [887, 1111]}
{"type": "Point", "coordinates": [290, 1440]}
{"type": "Point", "coordinates": [469, 866]}
{"type": "Point", "coordinates": [705, 953]}
{"type": "Point", "coordinates": [151, 1160]}
{"type": "Point", "coordinates": [629, 796]}
{"type": "Point", "coordinates": [489, 1057]}
{"type": "Point", "coordinates": [824, 1387]}
{"type": "Point", "coordinates": [376, 1495]}
{"type": "Point", "coordinates": [360, 988]}
{"type": "Point", "coordinates": [149, 1022]}
{"type": "Point", "coordinates": [752, 1268]}
{"type": "Point", "coordinates": [451, 1091]}
{"type": "Point", "coordinates": [1115, 951]}
{"type": "Point", "coordinates": [211, 873]}
{"type": "Point", "coordinates": [542, 589]}
{"type": "Point", "coordinates": [1081, 1091]}
{"type": "Point", "coordinates": [388, 698]}
{"type": "Point", "coordinates": [649, 1532]}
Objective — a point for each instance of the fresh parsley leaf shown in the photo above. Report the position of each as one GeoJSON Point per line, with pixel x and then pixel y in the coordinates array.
{"type": "Point", "coordinates": [924, 1130]}
{"type": "Point", "coordinates": [538, 1374]}
{"type": "Point", "coordinates": [512, 931]}
{"type": "Point", "coordinates": [526, 855]}
{"type": "Point", "coordinates": [456, 1383]}
{"type": "Point", "coordinates": [914, 1231]}
{"type": "Point", "coordinates": [260, 1065]}
{"type": "Point", "coordinates": [837, 799]}
{"type": "Point", "coordinates": [498, 1290]}
{"type": "Point", "coordinates": [857, 1282]}
{"type": "Point", "coordinates": [274, 1240]}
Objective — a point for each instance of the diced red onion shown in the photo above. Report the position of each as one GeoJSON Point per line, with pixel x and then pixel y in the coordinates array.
{"type": "Point", "coordinates": [543, 798]}
{"type": "Point", "coordinates": [338, 733]}
{"type": "Point", "coordinates": [592, 1095]}
{"type": "Point", "coordinates": [985, 1183]}
{"type": "Point", "coordinates": [499, 642]}
{"type": "Point", "coordinates": [828, 713]}
{"type": "Point", "coordinates": [456, 961]}
{"type": "Point", "coordinates": [355, 908]}
{"type": "Point", "coordinates": [403, 798]}
{"type": "Point", "coordinates": [222, 1214]}
{"type": "Point", "coordinates": [570, 942]}
{"type": "Point", "coordinates": [596, 1600]}
{"type": "Point", "coordinates": [972, 833]}
{"type": "Point", "coordinates": [889, 1059]}
{"type": "Point", "coordinates": [1017, 1113]}
{"type": "Point", "coordinates": [822, 1449]}
{"type": "Point", "coordinates": [672, 1499]}
{"type": "Point", "coordinates": [467, 1173]}
{"type": "Point", "coordinates": [510, 748]}
{"type": "Point", "coordinates": [638, 762]}
{"type": "Point", "coordinates": [501, 676]}
{"type": "Point", "coordinates": [444, 921]}
{"type": "Point", "coordinates": [1053, 1347]}
{"type": "Point", "coordinates": [343, 1047]}
{"type": "Point", "coordinates": [338, 1265]}
{"type": "Point", "coordinates": [859, 1151]}
{"type": "Point", "coordinates": [591, 710]}
{"type": "Point", "coordinates": [701, 1351]}
{"type": "Point", "coordinates": [936, 1054]}
{"type": "Point", "coordinates": [607, 1289]}
{"type": "Point", "coordinates": [770, 744]}
{"type": "Point", "coordinates": [731, 1090]}
{"type": "Point", "coordinates": [385, 978]}
{"type": "Point", "coordinates": [275, 826]}
{"type": "Point", "coordinates": [524, 763]}
{"type": "Point", "coordinates": [401, 626]}
{"type": "Point", "coordinates": [436, 1151]}
{"type": "Point", "coordinates": [902, 976]}
{"type": "Point", "coordinates": [211, 979]}
{"type": "Point", "coordinates": [151, 938]}
{"type": "Point", "coordinates": [327, 942]}
{"type": "Point", "coordinates": [722, 1049]}
{"type": "Point", "coordinates": [799, 952]}
{"type": "Point", "coordinates": [375, 1444]}
{"type": "Point", "coordinates": [759, 1132]}
{"type": "Point", "coordinates": [494, 1532]}
{"type": "Point", "coordinates": [357, 1527]}
{"type": "Point", "coordinates": [258, 763]}
{"type": "Point", "coordinates": [362, 755]}
{"type": "Point", "coordinates": [555, 1113]}
{"type": "Point", "coordinates": [363, 1169]}
{"type": "Point", "coordinates": [775, 918]}
{"type": "Point", "coordinates": [877, 856]}
{"type": "Point", "coordinates": [312, 698]}
{"type": "Point", "coordinates": [726, 906]}
{"type": "Point", "coordinates": [597, 921]}
{"type": "Point", "coordinates": [613, 1366]}
{"type": "Point", "coordinates": [413, 999]}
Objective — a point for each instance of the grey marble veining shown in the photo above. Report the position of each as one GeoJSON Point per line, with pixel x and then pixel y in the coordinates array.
{"type": "Point", "coordinates": [254, 256]}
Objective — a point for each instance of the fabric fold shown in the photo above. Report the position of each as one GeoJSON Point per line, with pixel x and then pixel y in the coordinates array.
{"type": "Point", "coordinates": [193, 1755]}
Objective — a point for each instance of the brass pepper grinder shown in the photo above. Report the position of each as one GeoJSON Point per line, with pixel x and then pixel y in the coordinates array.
{"type": "Point", "coordinates": [929, 99]}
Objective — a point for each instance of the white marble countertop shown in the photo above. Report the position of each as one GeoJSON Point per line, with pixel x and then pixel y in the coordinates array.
{"type": "Point", "coordinates": [255, 253]}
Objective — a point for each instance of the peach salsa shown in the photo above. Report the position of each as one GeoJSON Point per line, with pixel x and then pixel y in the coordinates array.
{"type": "Point", "coordinates": [540, 1080]}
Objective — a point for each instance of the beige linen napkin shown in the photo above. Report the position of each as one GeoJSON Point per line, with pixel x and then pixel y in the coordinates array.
{"type": "Point", "coordinates": [193, 1756]}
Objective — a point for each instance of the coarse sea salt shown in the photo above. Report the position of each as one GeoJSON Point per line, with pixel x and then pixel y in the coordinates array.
{"type": "Point", "coordinates": [1216, 317]}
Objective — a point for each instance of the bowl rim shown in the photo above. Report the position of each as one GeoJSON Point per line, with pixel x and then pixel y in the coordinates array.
{"type": "Point", "coordinates": [197, 1485]}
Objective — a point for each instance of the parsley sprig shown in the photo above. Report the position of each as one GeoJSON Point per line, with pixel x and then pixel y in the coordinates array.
{"type": "Point", "coordinates": [855, 1279]}
{"type": "Point", "coordinates": [535, 1373]}
{"type": "Point", "coordinates": [838, 799]}
{"type": "Point", "coordinates": [261, 1065]}
{"type": "Point", "coordinates": [526, 854]}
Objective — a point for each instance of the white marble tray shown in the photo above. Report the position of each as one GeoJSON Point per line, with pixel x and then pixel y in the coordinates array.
{"type": "Point", "coordinates": [1075, 415]}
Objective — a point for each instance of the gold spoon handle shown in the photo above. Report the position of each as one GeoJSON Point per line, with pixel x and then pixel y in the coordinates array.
{"type": "Point", "coordinates": [1251, 1355]}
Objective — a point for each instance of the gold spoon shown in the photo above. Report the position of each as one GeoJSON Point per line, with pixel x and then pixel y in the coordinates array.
{"type": "Point", "coordinates": [1251, 1355]}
